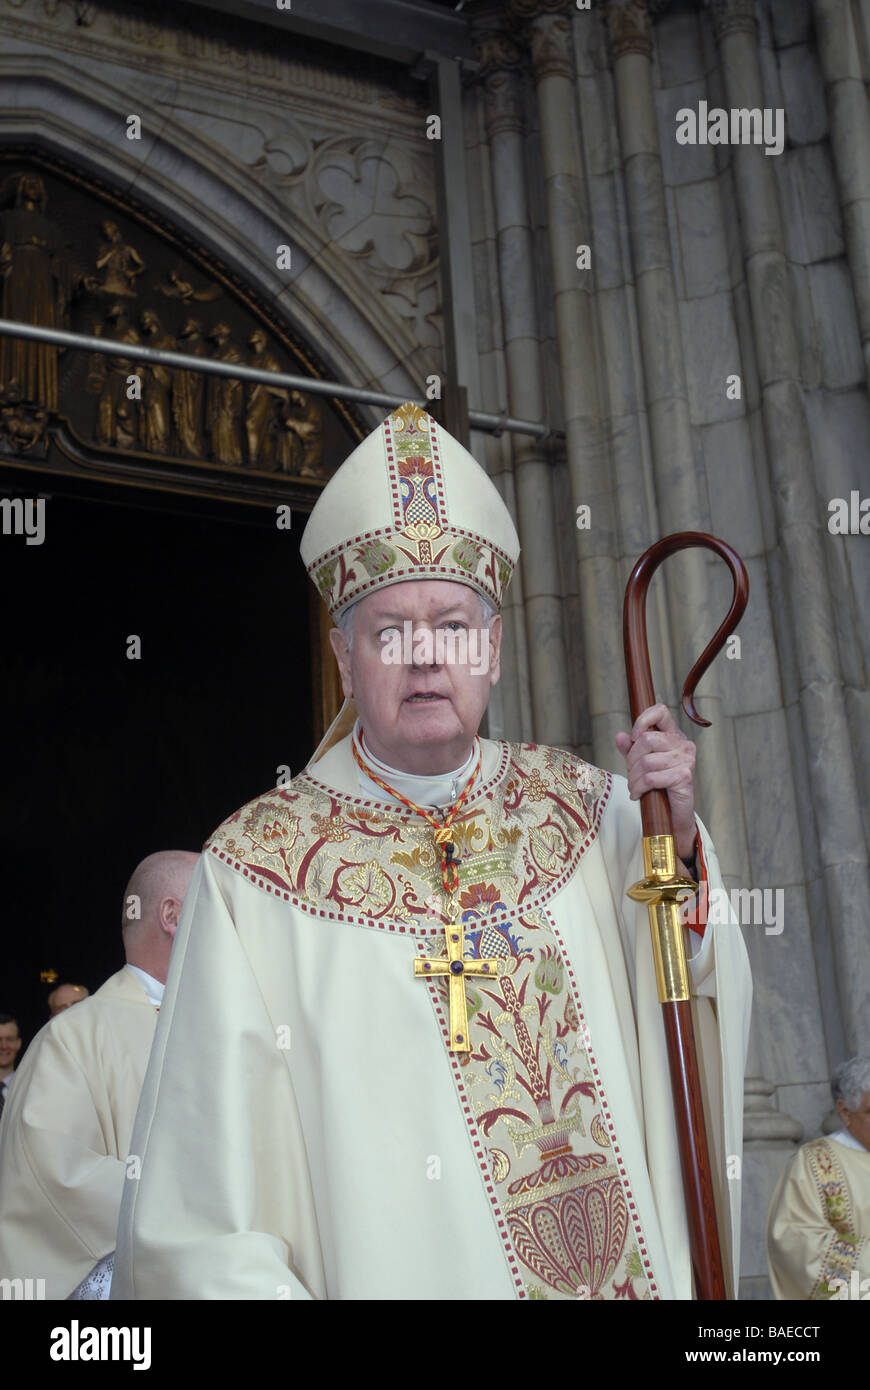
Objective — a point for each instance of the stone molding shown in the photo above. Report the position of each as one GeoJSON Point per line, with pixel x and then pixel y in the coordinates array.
{"type": "Point", "coordinates": [762, 1124]}
{"type": "Point", "coordinates": [527, 10]}
{"type": "Point", "coordinates": [630, 26]}
{"type": "Point", "coordinates": [99, 34]}
{"type": "Point", "coordinates": [503, 105]}
{"type": "Point", "coordinates": [729, 16]}
{"type": "Point", "coordinates": [503, 37]}
{"type": "Point", "coordinates": [497, 51]}
{"type": "Point", "coordinates": [501, 59]}
{"type": "Point", "coordinates": [552, 46]}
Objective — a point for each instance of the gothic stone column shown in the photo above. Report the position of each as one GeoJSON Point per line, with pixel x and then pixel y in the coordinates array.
{"type": "Point", "coordinates": [548, 29]}
{"type": "Point", "coordinates": [513, 718]}
{"type": "Point", "coordinates": [850, 143]}
{"type": "Point", "coordinates": [802, 537]}
{"type": "Point", "coordinates": [500, 70]}
{"type": "Point", "coordinates": [693, 618]}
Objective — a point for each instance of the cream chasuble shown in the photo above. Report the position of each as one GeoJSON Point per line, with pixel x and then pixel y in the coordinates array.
{"type": "Point", "coordinates": [305, 1131]}
{"type": "Point", "coordinates": [818, 1234]}
{"type": "Point", "coordinates": [65, 1136]}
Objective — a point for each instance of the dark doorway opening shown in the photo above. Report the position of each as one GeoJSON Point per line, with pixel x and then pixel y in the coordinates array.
{"type": "Point", "coordinates": [107, 759]}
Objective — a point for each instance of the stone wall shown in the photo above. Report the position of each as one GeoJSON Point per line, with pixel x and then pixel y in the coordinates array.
{"type": "Point", "coordinates": [709, 369]}
{"type": "Point", "coordinates": [711, 267]}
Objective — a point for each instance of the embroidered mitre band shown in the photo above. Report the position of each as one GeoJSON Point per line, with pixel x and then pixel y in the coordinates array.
{"type": "Point", "coordinates": [409, 503]}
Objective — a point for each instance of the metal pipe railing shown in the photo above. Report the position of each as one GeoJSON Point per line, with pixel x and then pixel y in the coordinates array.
{"type": "Point", "coordinates": [313, 386]}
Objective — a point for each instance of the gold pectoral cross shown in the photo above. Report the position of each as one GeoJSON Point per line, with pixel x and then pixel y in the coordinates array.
{"type": "Point", "coordinates": [455, 967]}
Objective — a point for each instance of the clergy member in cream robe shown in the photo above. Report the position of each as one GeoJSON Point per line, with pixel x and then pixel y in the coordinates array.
{"type": "Point", "coordinates": [411, 1045]}
{"type": "Point", "coordinates": [65, 1133]}
{"type": "Point", "coordinates": [818, 1234]}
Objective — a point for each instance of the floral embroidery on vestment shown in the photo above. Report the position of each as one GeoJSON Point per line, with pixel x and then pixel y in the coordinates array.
{"type": "Point", "coordinates": [840, 1255]}
{"type": "Point", "coordinates": [535, 1109]}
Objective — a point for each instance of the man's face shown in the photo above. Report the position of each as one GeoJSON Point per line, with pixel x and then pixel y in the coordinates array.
{"type": "Point", "coordinates": [10, 1045]}
{"type": "Point", "coordinates": [857, 1121]}
{"type": "Point", "coordinates": [421, 714]}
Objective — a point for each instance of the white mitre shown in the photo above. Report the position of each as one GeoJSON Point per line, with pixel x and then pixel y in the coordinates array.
{"type": "Point", "coordinates": [409, 503]}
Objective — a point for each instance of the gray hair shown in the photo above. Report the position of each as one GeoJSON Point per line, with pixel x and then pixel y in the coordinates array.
{"type": "Point", "coordinates": [344, 620]}
{"type": "Point", "coordinates": [344, 623]}
{"type": "Point", "coordinates": [850, 1081]}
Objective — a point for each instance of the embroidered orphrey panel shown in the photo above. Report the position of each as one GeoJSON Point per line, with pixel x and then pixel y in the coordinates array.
{"type": "Point", "coordinates": [530, 1088]}
{"type": "Point", "coordinates": [840, 1255]}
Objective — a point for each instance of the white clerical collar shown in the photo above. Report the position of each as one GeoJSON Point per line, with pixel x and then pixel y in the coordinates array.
{"type": "Point", "coordinates": [843, 1136]}
{"type": "Point", "coordinates": [438, 790]}
{"type": "Point", "coordinates": [153, 988]}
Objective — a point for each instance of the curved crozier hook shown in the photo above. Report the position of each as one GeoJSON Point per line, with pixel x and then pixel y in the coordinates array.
{"type": "Point", "coordinates": [637, 662]}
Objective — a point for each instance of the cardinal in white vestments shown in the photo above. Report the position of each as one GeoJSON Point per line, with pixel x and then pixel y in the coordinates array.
{"type": "Point", "coordinates": [818, 1232]}
{"type": "Point", "coordinates": [440, 1070]}
{"type": "Point", "coordinates": [65, 1131]}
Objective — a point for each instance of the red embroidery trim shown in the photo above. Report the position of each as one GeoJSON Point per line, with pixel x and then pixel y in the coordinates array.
{"type": "Point", "coordinates": [263, 878]}
{"type": "Point", "coordinates": [605, 1110]}
{"type": "Point", "coordinates": [388, 531]}
{"type": "Point", "coordinates": [390, 806]}
{"type": "Point", "coordinates": [439, 475]}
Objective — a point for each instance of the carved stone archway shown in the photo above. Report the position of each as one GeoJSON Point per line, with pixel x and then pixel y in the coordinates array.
{"type": "Point", "coordinates": [79, 254]}
{"type": "Point", "coordinates": [242, 213]}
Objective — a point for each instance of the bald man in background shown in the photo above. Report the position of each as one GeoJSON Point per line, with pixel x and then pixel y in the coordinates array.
{"type": "Point", "coordinates": [65, 996]}
{"type": "Point", "coordinates": [65, 1132]}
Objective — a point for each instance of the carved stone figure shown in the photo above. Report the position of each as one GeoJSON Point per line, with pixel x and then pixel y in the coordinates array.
{"type": "Point", "coordinates": [24, 429]}
{"type": "Point", "coordinates": [224, 403]}
{"type": "Point", "coordinates": [117, 412]}
{"type": "Point", "coordinates": [300, 448]}
{"type": "Point", "coordinates": [156, 384]}
{"type": "Point", "coordinates": [120, 263]}
{"type": "Point", "coordinates": [176, 288]}
{"type": "Point", "coordinates": [188, 390]}
{"type": "Point", "coordinates": [35, 289]}
{"type": "Point", "coordinates": [261, 417]}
